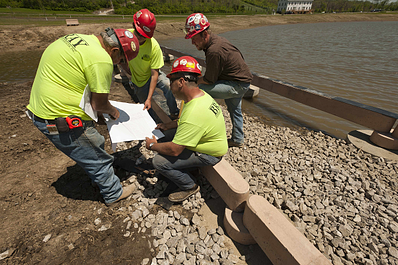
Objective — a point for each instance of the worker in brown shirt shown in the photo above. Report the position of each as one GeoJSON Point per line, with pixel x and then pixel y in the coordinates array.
{"type": "Point", "coordinates": [227, 75]}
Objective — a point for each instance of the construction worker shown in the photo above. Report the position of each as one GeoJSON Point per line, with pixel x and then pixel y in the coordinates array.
{"type": "Point", "coordinates": [144, 69]}
{"type": "Point", "coordinates": [66, 67]}
{"type": "Point", "coordinates": [227, 75]}
{"type": "Point", "coordinates": [200, 138]}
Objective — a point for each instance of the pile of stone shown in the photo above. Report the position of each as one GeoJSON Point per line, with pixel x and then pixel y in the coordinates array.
{"type": "Point", "coordinates": [173, 238]}
{"type": "Point", "coordinates": [342, 199]}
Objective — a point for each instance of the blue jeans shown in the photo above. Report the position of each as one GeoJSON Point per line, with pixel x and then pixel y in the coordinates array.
{"type": "Point", "coordinates": [164, 85]}
{"type": "Point", "coordinates": [86, 147]}
{"type": "Point", "coordinates": [176, 168]}
{"type": "Point", "coordinates": [232, 93]}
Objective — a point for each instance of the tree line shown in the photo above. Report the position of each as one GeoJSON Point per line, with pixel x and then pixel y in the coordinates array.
{"type": "Point", "coordinates": [126, 7]}
{"type": "Point", "coordinates": [353, 6]}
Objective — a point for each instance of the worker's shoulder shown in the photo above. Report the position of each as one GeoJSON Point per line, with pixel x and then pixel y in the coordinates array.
{"type": "Point", "coordinates": [154, 42]}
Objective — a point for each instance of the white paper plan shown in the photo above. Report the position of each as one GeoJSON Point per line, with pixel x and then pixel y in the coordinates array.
{"type": "Point", "coordinates": [134, 123]}
{"type": "Point", "coordinates": [85, 104]}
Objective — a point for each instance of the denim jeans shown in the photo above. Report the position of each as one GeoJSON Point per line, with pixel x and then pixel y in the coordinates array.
{"type": "Point", "coordinates": [176, 168]}
{"type": "Point", "coordinates": [232, 93]}
{"type": "Point", "coordinates": [86, 147]}
{"type": "Point", "coordinates": [164, 85]}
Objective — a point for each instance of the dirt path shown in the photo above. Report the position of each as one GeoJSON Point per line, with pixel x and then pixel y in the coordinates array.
{"type": "Point", "coordinates": [43, 192]}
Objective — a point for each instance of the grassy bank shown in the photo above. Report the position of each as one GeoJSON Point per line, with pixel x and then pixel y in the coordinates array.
{"type": "Point", "coordinates": [26, 32]}
{"type": "Point", "coordinates": [39, 18]}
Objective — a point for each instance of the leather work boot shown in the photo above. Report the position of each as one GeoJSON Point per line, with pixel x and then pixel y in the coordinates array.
{"type": "Point", "coordinates": [127, 191]}
{"type": "Point", "coordinates": [234, 144]}
{"type": "Point", "coordinates": [180, 196]}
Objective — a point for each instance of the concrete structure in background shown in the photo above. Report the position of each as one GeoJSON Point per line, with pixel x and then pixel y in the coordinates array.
{"type": "Point", "coordinates": [294, 6]}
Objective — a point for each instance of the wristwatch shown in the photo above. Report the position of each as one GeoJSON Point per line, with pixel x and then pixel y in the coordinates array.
{"type": "Point", "coordinates": [150, 146]}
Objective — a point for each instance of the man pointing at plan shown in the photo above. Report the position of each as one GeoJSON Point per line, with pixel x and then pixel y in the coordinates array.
{"type": "Point", "coordinates": [66, 67]}
{"type": "Point", "coordinates": [196, 139]}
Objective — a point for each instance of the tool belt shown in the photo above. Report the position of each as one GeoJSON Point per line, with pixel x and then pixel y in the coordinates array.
{"type": "Point", "coordinates": [61, 125]}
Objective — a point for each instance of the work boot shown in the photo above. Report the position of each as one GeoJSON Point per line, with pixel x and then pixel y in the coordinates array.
{"type": "Point", "coordinates": [127, 191]}
{"type": "Point", "coordinates": [181, 196]}
{"type": "Point", "coordinates": [234, 144]}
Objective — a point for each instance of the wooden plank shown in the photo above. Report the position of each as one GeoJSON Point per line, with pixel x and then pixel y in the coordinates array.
{"type": "Point", "coordinates": [159, 111]}
{"type": "Point", "coordinates": [368, 116]}
{"type": "Point", "coordinates": [72, 22]}
{"type": "Point", "coordinates": [178, 54]}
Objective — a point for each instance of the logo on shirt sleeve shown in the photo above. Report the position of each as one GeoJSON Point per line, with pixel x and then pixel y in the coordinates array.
{"type": "Point", "coordinates": [215, 108]}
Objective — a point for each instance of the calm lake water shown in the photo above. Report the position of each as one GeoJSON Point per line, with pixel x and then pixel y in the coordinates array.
{"type": "Point", "coordinates": [353, 60]}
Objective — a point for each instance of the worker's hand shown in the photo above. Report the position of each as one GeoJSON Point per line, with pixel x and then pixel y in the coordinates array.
{"type": "Point", "coordinates": [161, 126]}
{"type": "Point", "coordinates": [148, 141]}
{"type": "Point", "coordinates": [115, 114]}
{"type": "Point", "coordinates": [147, 105]}
{"type": "Point", "coordinates": [167, 126]}
{"type": "Point", "coordinates": [101, 119]}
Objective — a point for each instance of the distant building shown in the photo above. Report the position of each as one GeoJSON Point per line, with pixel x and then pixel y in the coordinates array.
{"type": "Point", "coordinates": [294, 6]}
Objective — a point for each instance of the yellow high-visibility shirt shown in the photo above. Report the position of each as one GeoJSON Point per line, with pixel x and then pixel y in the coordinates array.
{"type": "Point", "coordinates": [65, 68]}
{"type": "Point", "coordinates": [201, 127]}
{"type": "Point", "coordinates": [149, 57]}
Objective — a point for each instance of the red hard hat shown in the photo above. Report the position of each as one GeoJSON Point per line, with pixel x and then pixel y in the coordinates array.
{"type": "Point", "coordinates": [145, 23]}
{"type": "Point", "coordinates": [129, 43]}
{"type": "Point", "coordinates": [195, 23]}
{"type": "Point", "coordinates": [186, 64]}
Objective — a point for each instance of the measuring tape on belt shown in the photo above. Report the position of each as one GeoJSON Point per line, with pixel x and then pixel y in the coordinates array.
{"type": "Point", "coordinates": [74, 122]}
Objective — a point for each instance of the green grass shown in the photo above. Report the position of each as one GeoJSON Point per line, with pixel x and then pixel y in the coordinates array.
{"type": "Point", "coordinates": [34, 17]}
{"type": "Point", "coordinates": [253, 8]}
{"type": "Point", "coordinates": [26, 11]}
{"type": "Point", "coordinates": [37, 18]}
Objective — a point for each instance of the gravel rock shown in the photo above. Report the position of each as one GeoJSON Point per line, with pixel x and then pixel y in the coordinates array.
{"type": "Point", "coordinates": [342, 199]}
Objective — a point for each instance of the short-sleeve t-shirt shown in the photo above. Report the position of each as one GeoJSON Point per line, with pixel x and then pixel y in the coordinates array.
{"type": "Point", "coordinates": [149, 57]}
{"type": "Point", "coordinates": [66, 67]}
{"type": "Point", "coordinates": [201, 127]}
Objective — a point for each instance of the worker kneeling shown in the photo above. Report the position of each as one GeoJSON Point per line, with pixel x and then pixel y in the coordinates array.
{"type": "Point", "coordinates": [198, 138]}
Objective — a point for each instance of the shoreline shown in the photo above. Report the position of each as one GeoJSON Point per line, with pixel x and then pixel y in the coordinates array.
{"type": "Point", "coordinates": [19, 38]}
{"type": "Point", "coordinates": [341, 198]}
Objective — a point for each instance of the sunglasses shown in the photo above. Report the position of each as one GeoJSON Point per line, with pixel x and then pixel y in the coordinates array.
{"type": "Point", "coordinates": [174, 79]}
{"type": "Point", "coordinates": [123, 60]}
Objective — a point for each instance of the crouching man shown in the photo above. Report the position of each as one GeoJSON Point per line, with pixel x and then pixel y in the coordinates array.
{"type": "Point", "coordinates": [200, 137]}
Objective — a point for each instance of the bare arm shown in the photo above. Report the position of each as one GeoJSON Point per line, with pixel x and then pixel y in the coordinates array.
{"type": "Point", "coordinates": [167, 126]}
{"type": "Point", "coordinates": [152, 86]}
{"type": "Point", "coordinates": [100, 103]}
{"type": "Point", "coordinates": [168, 148]}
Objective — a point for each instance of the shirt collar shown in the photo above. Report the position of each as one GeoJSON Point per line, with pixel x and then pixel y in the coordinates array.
{"type": "Point", "coordinates": [209, 43]}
